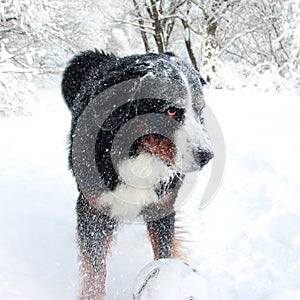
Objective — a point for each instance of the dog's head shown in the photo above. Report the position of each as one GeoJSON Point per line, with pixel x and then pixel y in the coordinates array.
{"type": "Point", "coordinates": [146, 111]}
{"type": "Point", "coordinates": [168, 100]}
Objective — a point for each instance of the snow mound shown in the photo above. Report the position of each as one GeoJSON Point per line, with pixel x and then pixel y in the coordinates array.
{"type": "Point", "coordinates": [169, 279]}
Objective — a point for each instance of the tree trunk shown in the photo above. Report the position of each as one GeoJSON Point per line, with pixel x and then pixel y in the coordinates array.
{"type": "Point", "coordinates": [188, 44]}
{"type": "Point", "coordinates": [158, 30]}
{"type": "Point", "coordinates": [142, 26]}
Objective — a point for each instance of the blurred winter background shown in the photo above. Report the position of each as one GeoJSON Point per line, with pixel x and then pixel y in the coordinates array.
{"type": "Point", "coordinates": [246, 243]}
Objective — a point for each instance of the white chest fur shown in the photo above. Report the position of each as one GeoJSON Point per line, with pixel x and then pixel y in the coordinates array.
{"type": "Point", "coordinates": [139, 176]}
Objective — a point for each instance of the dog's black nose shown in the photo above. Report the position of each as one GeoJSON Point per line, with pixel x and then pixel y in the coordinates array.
{"type": "Point", "coordinates": [202, 157]}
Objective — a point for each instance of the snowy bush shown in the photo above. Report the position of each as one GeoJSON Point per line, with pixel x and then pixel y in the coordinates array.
{"type": "Point", "coordinates": [17, 96]}
{"type": "Point", "coordinates": [235, 44]}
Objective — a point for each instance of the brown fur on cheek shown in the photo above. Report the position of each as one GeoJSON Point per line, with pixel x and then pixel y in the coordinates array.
{"type": "Point", "coordinates": [163, 148]}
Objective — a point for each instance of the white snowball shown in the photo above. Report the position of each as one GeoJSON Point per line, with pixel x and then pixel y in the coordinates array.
{"type": "Point", "coordinates": [169, 279]}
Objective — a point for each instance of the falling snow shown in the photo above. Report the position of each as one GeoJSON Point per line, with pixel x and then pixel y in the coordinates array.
{"type": "Point", "coordinates": [245, 244]}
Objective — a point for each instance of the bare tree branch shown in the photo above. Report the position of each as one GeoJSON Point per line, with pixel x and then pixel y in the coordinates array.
{"type": "Point", "coordinates": [15, 54]}
{"type": "Point", "coordinates": [238, 36]}
{"type": "Point", "coordinates": [142, 27]}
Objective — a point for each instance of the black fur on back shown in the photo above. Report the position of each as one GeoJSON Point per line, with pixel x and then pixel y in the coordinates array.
{"type": "Point", "coordinates": [78, 71]}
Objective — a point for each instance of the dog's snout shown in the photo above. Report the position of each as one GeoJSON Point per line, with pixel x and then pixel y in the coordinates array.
{"type": "Point", "coordinates": [203, 156]}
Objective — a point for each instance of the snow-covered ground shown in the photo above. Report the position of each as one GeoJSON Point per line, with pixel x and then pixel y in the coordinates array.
{"type": "Point", "coordinates": [245, 244]}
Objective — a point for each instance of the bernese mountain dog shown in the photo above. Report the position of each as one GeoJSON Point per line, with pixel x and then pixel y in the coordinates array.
{"type": "Point", "coordinates": [137, 129]}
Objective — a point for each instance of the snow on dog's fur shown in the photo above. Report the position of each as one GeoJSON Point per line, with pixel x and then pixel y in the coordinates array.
{"type": "Point", "coordinates": [144, 183]}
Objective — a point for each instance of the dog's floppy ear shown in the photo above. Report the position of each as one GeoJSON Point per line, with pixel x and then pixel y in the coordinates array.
{"type": "Point", "coordinates": [79, 69]}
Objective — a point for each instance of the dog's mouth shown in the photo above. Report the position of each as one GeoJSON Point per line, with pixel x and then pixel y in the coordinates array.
{"type": "Point", "coordinates": [157, 145]}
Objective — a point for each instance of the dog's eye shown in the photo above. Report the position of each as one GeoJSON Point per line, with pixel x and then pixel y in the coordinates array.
{"type": "Point", "coordinates": [176, 113]}
{"type": "Point", "coordinates": [172, 112]}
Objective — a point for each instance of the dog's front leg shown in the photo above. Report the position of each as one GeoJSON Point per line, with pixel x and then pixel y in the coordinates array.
{"type": "Point", "coordinates": [161, 233]}
{"type": "Point", "coordinates": [95, 230]}
{"type": "Point", "coordinates": [92, 278]}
